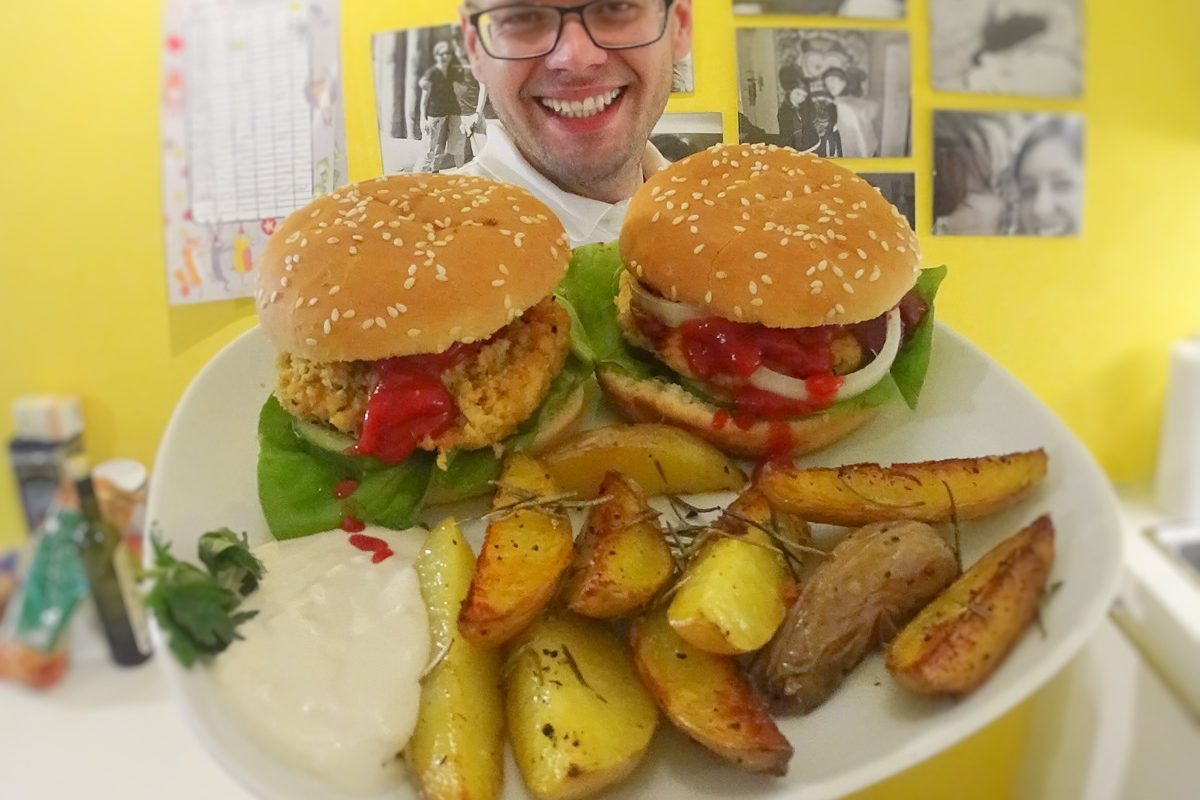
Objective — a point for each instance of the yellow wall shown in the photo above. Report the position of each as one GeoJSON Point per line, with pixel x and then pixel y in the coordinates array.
{"type": "Point", "coordinates": [1084, 322]}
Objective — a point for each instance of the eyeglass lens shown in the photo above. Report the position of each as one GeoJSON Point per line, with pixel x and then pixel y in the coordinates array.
{"type": "Point", "coordinates": [527, 31]}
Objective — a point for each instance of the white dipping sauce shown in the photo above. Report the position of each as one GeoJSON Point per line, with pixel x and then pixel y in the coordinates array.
{"type": "Point", "coordinates": [326, 675]}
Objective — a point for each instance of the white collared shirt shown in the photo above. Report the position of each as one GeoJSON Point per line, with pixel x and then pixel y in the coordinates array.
{"type": "Point", "coordinates": [585, 220]}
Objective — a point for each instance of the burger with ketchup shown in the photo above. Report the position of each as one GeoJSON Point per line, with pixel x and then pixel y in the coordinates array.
{"type": "Point", "coordinates": [769, 301]}
{"type": "Point", "coordinates": [418, 339]}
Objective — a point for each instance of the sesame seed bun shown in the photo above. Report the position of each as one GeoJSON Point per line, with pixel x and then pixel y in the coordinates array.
{"type": "Point", "coordinates": [406, 264]}
{"type": "Point", "coordinates": [758, 233]}
{"type": "Point", "coordinates": [655, 400]}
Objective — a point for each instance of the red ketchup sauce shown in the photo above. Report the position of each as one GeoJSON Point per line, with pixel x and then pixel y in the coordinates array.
{"type": "Point", "coordinates": [370, 544]}
{"type": "Point", "coordinates": [716, 347]}
{"type": "Point", "coordinates": [408, 403]}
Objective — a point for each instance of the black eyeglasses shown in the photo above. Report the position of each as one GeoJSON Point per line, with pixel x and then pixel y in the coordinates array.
{"type": "Point", "coordinates": [525, 30]}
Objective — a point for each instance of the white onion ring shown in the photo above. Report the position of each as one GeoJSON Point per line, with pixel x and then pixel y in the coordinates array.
{"type": "Point", "coordinates": [668, 312]}
{"type": "Point", "coordinates": [853, 384]}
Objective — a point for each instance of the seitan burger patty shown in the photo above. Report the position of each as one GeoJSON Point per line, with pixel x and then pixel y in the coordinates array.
{"type": "Point", "coordinates": [496, 388]}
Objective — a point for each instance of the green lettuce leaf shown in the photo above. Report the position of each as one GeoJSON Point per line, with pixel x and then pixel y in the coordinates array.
{"type": "Point", "coordinates": [296, 478]}
{"type": "Point", "coordinates": [908, 371]}
{"type": "Point", "coordinates": [296, 481]}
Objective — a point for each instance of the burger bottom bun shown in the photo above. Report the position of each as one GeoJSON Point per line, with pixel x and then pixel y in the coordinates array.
{"type": "Point", "coordinates": [551, 431]}
{"type": "Point", "coordinates": [654, 400]}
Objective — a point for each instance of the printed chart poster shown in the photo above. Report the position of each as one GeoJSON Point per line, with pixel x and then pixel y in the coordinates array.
{"type": "Point", "coordinates": [252, 129]}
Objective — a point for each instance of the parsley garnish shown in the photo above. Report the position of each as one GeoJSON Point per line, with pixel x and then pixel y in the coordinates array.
{"type": "Point", "coordinates": [197, 608]}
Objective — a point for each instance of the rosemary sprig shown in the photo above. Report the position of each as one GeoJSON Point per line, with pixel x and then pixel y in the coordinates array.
{"type": "Point", "coordinates": [843, 478]}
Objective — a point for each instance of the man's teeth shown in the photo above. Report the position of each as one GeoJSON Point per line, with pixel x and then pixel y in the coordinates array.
{"type": "Point", "coordinates": [588, 107]}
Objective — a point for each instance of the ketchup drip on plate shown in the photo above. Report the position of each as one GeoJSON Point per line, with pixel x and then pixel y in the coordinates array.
{"type": "Point", "coordinates": [370, 544]}
{"type": "Point", "coordinates": [407, 404]}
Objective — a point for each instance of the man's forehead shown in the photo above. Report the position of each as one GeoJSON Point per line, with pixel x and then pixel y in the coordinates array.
{"type": "Point", "coordinates": [486, 5]}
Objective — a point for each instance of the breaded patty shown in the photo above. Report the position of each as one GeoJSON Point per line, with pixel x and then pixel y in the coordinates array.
{"type": "Point", "coordinates": [847, 353]}
{"type": "Point", "coordinates": [496, 388]}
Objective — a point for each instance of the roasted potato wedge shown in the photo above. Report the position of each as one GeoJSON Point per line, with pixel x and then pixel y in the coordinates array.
{"type": "Point", "coordinates": [706, 696]}
{"type": "Point", "coordinates": [525, 553]}
{"type": "Point", "coordinates": [622, 559]}
{"type": "Point", "coordinates": [960, 638]}
{"type": "Point", "coordinates": [859, 494]}
{"type": "Point", "coordinates": [579, 720]}
{"type": "Point", "coordinates": [866, 588]}
{"type": "Point", "coordinates": [456, 751]}
{"type": "Point", "coordinates": [732, 595]}
{"type": "Point", "coordinates": [662, 459]}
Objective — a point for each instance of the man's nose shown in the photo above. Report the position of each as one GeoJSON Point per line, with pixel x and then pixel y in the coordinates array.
{"type": "Point", "coordinates": [575, 49]}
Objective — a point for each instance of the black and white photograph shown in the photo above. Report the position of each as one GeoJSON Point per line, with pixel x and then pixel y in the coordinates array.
{"type": "Point", "coordinates": [899, 189]}
{"type": "Point", "coordinates": [1007, 174]}
{"type": "Point", "coordinates": [683, 77]}
{"type": "Point", "coordinates": [862, 9]}
{"type": "Point", "coordinates": [677, 136]}
{"type": "Point", "coordinates": [432, 112]}
{"type": "Point", "coordinates": [1018, 47]}
{"type": "Point", "coordinates": [830, 92]}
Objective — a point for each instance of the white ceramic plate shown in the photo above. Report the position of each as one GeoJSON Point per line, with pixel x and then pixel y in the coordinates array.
{"type": "Point", "coordinates": [204, 478]}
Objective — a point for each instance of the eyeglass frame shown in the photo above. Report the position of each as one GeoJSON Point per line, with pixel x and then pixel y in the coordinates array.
{"type": "Point", "coordinates": [563, 11]}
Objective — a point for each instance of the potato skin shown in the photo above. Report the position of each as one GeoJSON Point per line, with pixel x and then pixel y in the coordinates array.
{"type": "Point", "coordinates": [660, 458]}
{"type": "Point", "coordinates": [859, 494]}
{"type": "Point", "coordinates": [732, 596]}
{"type": "Point", "coordinates": [872, 582]}
{"type": "Point", "coordinates": [579, 720]}
{"type": "Point", "coordinates": [524, 554]}
{"type": "Point", "coordinates": [622, 559]}
{"type": "Point", "coordinates": [959, 639]}
{"type": "Point", "coordinates": [706, 696]}
{"type": "Point", "coordinates": [456, 751]}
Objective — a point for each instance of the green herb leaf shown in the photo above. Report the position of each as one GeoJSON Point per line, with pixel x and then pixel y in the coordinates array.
{"type": "Point", "coordinates": [196, 611]}
{"type": "Point", "coordinates": [229, 559]}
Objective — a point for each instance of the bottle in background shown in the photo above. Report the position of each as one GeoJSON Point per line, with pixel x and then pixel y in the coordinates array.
{"type": "Point", "coordinates": [111, 574]}
{"type": "Point", "coordinates": [48, 430]}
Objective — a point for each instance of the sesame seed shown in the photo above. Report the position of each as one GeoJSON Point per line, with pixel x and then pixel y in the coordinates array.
{"type": "Point", "coordinates": [901, 248]}
{"type": "Point", "coordinates": [387, 237]}
{"type": "Point", "coordinates": [353, 250]}
{"type": "Point", "coordinates": [872, 234]}
{"type": "Point", "coordinates": [310, 341]}
{"type": "Point", "coordinates": [326, 327]}
{"type": "Point", "coordinates": [823, 265]}
{"type": "Point", "coordinates": [768, 280]}
{"type": "Point", "coordinates": [737, 310]}
{"type": "Point", "coordinates": [708, 297]}
{"type": "Point", "coordinates": [843, 256]}
{"type": "Point", "coordinates": [498, 282]}
{"type": "Point", "coordinates": [698, 249]}
{"type": "Point", "coordinates": [392, 312]}
{"type": "Point", "coordinates": [283, 281]}
{"type": "Point", "coordinates": [332, 240]}
{"type": "Point", "coordinates": [368, 324]}
{"type": "Point", "coordinates": [721, 274]}
{"type": "Point", "coordinates": [784, 241]}
{"type": "Point", "coordinates": [883, 243]}
{"type": "Point", "coordinates": [810, 271]}
{"type": "Point", "coordinates": [657, 215]}
{"type": "Point", "coordinates": [380, 322]}
{"type": "Point", "coordinates": [299, 302]}
{"type": "Point", "coordinates": [414, 332]}
{"type": "Point", "coordinates": [304, 242]}
{"type": "Point", "coordinates": [408, 284]}
{"type": "Point", "coordinates": [694, 229]}
{"type": "Point", "coordinates": [849, 289]}
{"type": "Point", "coordinates": [349, 313]}
{"type": "Point", "coordinates": [333, 315]}
{"type": "Point", "coordinates": [739, 229]}
{"type": "Point", "coordinates": [753, 287]}
{"type": "Point", "coordinates": [839, 308]}
{"type": "Point", "coordinates": [758, 301]}
{"type": "Point", "coordinates": [760, 255]}
{"type": "Point", "coordinates": [858, 273]}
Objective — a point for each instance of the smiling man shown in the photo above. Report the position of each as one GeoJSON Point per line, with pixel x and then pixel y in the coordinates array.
{"type": "Point", "coordinates": [577, 87]}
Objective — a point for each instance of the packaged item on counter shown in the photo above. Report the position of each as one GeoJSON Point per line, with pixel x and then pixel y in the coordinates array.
{"type": "Point", "coordinates": [110, 572]}
{"type": "Point", "coordinates": [121, 489]}
{"type": "Point", "coordinates": [47, 430]}
{"type": "Point", "coordinates": [33, 646]}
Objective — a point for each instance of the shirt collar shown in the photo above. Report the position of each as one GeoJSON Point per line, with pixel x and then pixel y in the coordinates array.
{"type": "Point", "coordinates": [579, 215]}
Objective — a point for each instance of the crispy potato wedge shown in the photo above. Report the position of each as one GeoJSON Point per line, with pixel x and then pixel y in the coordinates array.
{"type": "Point", "coordinates": [525, 553]}
{"type": "Point", "coordinates": [869, 585]}
{"type": "Point", "coordinates": [622, 559]}
{"type": "Point", "coordinates": [706, 696]}
{"type": "Point", "coordinates": [859, 494]}
{"type": "Point", "coordinates": [960, 638]}
{"type": "Point", "coordinates": [732, 596]}
{"type": "Point", "coordinates": [456, 751]}
{"type": "Point", "coordinates": [579, 720]}
{"type": "Point", "coordinates": [662, 459]}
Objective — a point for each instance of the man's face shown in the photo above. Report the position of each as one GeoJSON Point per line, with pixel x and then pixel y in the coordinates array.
{"type": "Point", "coordinates": [581, 114]}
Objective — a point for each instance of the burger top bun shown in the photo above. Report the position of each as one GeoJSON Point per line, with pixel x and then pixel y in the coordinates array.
{"type": "Point", "coordinates": [406, 264]}
{"type": "Point", "coordinates": [759, 233]}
